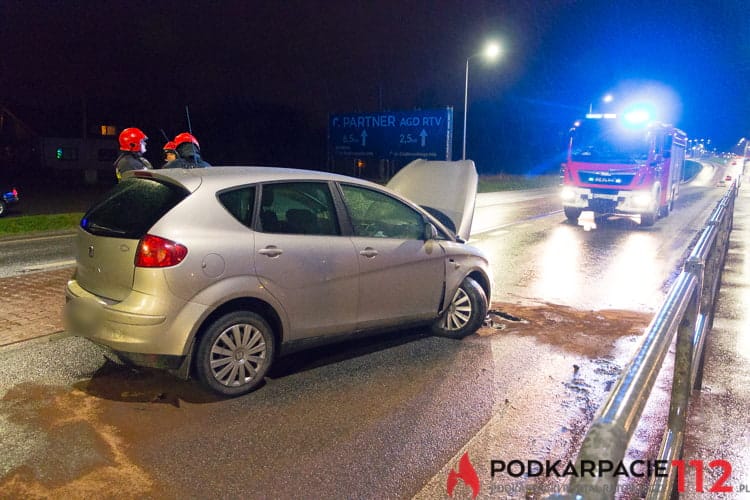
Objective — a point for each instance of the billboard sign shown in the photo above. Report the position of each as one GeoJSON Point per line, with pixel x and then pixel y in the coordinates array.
{"type": "Point", "coordinates": [420, 133]}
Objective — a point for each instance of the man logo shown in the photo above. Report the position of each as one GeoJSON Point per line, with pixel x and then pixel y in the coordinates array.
{"type": "Point", "coordinates": [466, 473]}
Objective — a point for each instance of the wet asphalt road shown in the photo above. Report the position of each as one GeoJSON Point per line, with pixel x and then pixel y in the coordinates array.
{"type": "Point", "coordinates": [380, 418]}
{"type": "Point", "coordinates": [36, 254]}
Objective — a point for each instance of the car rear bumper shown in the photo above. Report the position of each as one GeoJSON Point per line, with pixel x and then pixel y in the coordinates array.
{"type": "Point", "coordinates": [151, 330]}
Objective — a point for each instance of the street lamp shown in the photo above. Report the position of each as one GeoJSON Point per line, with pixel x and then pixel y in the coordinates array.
{"type": "Point", "coordinates": [490, 52]}
{"type": "Point", "coordinates": [607, 98]}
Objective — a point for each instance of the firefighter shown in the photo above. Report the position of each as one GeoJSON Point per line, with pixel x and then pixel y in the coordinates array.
{"type": "Point", "coordinates": [169, 151]}
{"type": "Point", "coordinates": [132, 147]}
{"type": "Point", "coordinates": [188, 153]}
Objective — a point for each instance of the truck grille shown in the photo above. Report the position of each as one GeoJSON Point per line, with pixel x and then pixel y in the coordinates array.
{"type": "Point", "coordinates": [605, 178]}
{"type": "Point", "coordinates": [602, 206]}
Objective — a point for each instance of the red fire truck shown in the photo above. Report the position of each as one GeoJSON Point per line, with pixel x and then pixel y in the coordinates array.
{"type": "Point", "coordinates": [622, 166]}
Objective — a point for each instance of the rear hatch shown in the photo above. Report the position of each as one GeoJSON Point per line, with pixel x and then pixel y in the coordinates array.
{"type": "Point", "coordinates": [446, 189]}
{"type": "Point", "coordinates": [110, 231]}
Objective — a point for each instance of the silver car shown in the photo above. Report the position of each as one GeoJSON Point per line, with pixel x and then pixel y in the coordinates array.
{"type": "Point", "coordinates": [213, 273]}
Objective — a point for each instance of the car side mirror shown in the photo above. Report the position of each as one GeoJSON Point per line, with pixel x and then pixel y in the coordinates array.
{"type": "Point", "coordinates": [430, 232]}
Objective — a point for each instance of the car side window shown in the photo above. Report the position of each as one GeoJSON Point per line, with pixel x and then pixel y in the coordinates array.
{"type": "Point", "coordinates": [298, 208]}
{"type": "Point", "coordinates": [377, 215]}
{"type": "Point", "coordinates": [239, 203]}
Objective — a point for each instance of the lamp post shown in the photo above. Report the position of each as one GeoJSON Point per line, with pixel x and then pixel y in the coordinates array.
{"type": "Point", "coordinates": [491, 51]}
{"type": "Point", "coordinates": [607, 98]}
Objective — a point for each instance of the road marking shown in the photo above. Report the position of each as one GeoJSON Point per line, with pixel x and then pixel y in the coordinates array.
{"type": "Point", "coordinates": [514, 223]}
{"type": "Point", "coordinates": [49, 265]}
{"type": "Point", "coordinates": [37, 238]}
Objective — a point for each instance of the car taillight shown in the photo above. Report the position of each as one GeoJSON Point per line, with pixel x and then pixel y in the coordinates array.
{"type": "Point", "coordinates": [154, 251]}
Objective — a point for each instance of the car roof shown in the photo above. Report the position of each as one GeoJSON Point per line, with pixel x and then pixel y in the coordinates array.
{"type": "Point", "coordinates": [225, 176]}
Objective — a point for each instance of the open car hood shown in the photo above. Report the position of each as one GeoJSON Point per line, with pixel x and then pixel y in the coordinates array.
{"type": "Point", "coordinates": [446, 189]}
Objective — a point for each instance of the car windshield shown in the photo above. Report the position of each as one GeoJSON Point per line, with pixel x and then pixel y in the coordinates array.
{"type": "Point", "coordinates": [607, 141]}
{"type": "Point", "coordinates": [132, 207]}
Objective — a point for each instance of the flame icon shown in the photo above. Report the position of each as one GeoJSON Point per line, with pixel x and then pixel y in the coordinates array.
{"type": "Point", "coordinates": [466, 473]}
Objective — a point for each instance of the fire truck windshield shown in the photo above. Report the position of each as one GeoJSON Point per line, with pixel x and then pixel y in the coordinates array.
{"type": "Point", "coordinates": [607, 141]}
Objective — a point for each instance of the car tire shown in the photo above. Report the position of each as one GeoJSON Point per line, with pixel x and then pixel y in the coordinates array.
{"type": "Point", "coordinates": [572, 213]}
{"type": "Point", "coordinates": [465, 313]}
{"type": "Point", "coordinates": [3, 208]}
{"type": "Point", "coordinates": [235, 353]}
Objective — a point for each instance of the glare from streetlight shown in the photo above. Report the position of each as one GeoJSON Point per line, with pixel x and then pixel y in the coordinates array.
{"type": "Point", "coordinates": [608, 98]}
{"type": "Point", "coordinates": [492, 51]}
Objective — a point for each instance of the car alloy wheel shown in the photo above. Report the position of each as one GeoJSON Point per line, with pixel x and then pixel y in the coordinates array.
{"type": "Point", "coordinates": [2, 208]}
{"type": "Point", "coordinates": [235, 353]}
{"type": "Point", "coordinates": [465, 313]}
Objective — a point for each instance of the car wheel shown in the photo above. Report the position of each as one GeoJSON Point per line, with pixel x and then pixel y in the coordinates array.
{"type": "Point", "coordinates": [3, 207]}
{"type": "Point", "coordinates": [235, 353]}
{"type": "Point", "coordinates": [465, 313]}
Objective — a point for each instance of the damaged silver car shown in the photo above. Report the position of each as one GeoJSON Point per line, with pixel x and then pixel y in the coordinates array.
{"type": "Point", "coordinates": [214, 273]}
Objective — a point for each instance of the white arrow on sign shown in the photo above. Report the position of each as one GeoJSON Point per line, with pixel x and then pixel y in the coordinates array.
{"type": "Point", "coordinates": [364, 138]}
{"type": "Point", "coordinates": [423, 135]}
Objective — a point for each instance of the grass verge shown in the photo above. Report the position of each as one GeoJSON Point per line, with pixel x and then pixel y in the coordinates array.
{"type": "Point", "coordinates": [506, 182]}
{"type": "Point", "coordinates": [25, 224]}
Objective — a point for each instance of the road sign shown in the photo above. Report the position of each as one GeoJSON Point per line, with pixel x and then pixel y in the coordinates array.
{"type": "Point", "coordinates": [392, 134]}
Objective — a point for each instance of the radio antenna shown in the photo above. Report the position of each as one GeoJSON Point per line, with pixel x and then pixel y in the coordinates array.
{"type": "Point", "coordinates": [190, 129]}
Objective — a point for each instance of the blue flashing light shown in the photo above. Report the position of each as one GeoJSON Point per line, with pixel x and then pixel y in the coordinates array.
{"type": "Point", "coordinates": [637, 116]}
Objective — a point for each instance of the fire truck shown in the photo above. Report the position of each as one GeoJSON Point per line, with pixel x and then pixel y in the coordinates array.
{"type": "Point", "coordinates": [622, 166]}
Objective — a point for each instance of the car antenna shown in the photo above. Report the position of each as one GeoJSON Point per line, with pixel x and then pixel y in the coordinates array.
{"type": "Point", "coordinates": [190, 129]}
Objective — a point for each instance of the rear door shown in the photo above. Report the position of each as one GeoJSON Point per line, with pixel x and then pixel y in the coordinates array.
{"type": "Point", "coordinates": [401, 276]}
{"type": "Point", "coordinates": [302, 259]}
{"type": "Point", "coordinates": [110, 231]}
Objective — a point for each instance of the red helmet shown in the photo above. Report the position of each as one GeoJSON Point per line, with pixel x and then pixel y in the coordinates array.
{"type": "Point", "coordinates": [185, 137]}
{"type": "Point", "coordinates": [130, 139]}
{"type": "Point", "coordinates": [170, 146]}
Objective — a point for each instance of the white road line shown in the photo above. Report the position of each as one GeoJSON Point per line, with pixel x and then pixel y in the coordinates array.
{"type": "Point", "coordinates": [38, 238]}
{"type": "Point", "coordinates": [514, 223]}
{"type": "Point", "coordinates": [49, 265]}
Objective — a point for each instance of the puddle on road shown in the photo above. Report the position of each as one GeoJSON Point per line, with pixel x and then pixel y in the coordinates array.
{"type": "Point", "coordinates": [583, 353]}
{"type": "Point", "coordinates": [56, 446]}
{"type": "Point", "coordinates": [588, 333]}
{"type": "Point", "coordinates": [63, 443]}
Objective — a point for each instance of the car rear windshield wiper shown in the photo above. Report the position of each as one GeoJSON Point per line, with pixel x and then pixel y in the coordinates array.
{"type": "Point", "coordinates": [104, 230]}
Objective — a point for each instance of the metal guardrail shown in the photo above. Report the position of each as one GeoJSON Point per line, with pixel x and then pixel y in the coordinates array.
{"type": "Point", "coordinates": [688, 312]}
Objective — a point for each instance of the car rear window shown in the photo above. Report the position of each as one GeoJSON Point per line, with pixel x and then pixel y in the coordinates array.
{"type": "Point", "coordinates": [132, 207]}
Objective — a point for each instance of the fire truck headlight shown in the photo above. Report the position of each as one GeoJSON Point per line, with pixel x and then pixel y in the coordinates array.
{"type": "Point", "coordinates": [642, 199]}
{"type": "Point", "coordinates": [567, 194]}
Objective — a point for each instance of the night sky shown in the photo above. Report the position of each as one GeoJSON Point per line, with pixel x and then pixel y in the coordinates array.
{"type": "Point", "coordinates": [261, 78]}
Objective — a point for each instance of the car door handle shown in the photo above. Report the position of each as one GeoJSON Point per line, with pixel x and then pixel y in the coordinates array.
{"type": "Point", "coordinates": [271, 251]}
{"type": "Point", "coordinates": [369, 252]}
